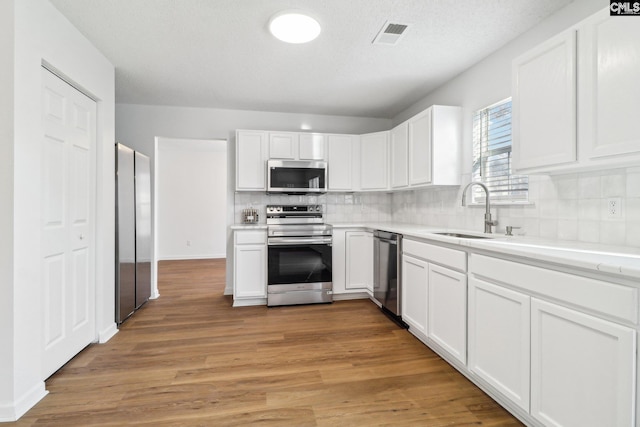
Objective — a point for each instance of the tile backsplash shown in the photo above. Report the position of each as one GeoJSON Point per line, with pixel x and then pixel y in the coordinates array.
{"type": "Point", "coordinates": [339, 207]}
{"type": "Point", "coordinates": [567, 207]}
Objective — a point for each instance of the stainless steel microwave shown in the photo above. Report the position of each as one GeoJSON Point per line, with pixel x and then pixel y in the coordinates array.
{"type": "Point", "coordinates": [296, 176]}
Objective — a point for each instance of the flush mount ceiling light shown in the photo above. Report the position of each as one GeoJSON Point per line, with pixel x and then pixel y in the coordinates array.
{"type": "Point", "coordinates": [294, 27]}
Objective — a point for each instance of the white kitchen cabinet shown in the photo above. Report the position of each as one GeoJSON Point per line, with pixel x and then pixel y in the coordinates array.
{"type": "Point", "coordinates": [447, 310]}
{"type": "Point", "coordinates": [283, 145]}
{"type": "Point", "coordinates": [609, 89]}
{"type": "Point", "coordinates": [420, 150]}
{"type": "Point", "coordinates": [399, 162]}
{"type": "Point", "coordinates": [374, 161]}
{"type": "Point", "coordinates": [250, 267]}
{"type": "Point", "coordinates": [434, 296]}
{"type": "Point", "coordinates": [415, 283]}
{"type": "Point", "coordinates": [342, 157]}
{"type": "Point", "coordinates": [311, 146]}
{"type": "Point", "coordinates": [544, 104]}
{"type": "Point", "coordinates": [435, 146]}
{"type": "Point", "coordinates": [585, 78]}
{"type": "Point", "coordinates": [359, 260]}
{"type": "Point", "coordinates": [296, 146]}
{"type": "Point", "coordinates": [582, 368]}
{"type": "Point", "coordinates": [499, 340]}
{"type": "Point", "coordinates": [251, 158]}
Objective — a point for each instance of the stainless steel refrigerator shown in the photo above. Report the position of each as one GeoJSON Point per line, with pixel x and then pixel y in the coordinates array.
{"type": "Point", "coordinates": [133, 231]}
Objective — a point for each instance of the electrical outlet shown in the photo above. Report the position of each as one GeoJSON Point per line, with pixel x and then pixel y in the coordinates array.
{"type": "Point", "coordinates": [614, 207]}
{"type": "Point", "coordinates": [188, 242]}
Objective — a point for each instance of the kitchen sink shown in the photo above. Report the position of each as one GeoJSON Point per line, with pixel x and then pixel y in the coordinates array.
{"type": "Point", "coordinates": [464, 236]}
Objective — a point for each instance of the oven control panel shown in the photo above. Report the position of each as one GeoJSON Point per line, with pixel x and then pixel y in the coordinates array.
{"type": "Point", "coordinates": [293, 209]}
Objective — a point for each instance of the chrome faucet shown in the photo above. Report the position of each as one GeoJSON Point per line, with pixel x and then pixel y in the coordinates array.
{"type": "Point", "coordinates": [488, 223]}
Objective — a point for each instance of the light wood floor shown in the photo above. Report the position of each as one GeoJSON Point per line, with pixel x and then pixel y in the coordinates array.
{"type": "Point", "coordinates": [189, 359]}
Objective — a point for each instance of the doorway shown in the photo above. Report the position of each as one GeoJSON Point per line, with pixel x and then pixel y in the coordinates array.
{"type": "Point", "coordinates": [191, 199]}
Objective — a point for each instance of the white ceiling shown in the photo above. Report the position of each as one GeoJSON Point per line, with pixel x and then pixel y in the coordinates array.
{"type": "Point", "coordinates": [219, 54]}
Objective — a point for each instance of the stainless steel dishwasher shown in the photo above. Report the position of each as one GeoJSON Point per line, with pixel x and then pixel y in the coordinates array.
{"type": "Point", "coordinates": [386, 274]}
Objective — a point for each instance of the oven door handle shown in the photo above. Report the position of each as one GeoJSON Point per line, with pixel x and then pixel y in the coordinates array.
{"type": "Point", "coordinates": [280, 241]}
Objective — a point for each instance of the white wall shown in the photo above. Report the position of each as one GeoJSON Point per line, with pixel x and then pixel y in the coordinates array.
{"type": "Point", "coordinates": [192, 198]}
{"type": "Point", "coordinates": [43, 34]}
{"type": "Point", "coordinates": [569, 207]}
{"type": "Point", "coordinates": [6, 204]}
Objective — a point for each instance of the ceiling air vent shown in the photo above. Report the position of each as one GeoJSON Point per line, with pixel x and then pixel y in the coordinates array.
{"type": "Point", "coordinates": [391, 33]}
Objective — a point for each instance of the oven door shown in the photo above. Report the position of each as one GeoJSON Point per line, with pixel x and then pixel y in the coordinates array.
{"type": "Point", "coordinates": [294, 260]}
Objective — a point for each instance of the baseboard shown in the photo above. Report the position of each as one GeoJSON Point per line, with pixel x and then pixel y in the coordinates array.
{"type": "Point", "coordinates": [187, 257]}
{"type": "Point", "coordinates": [228, 290]}
{"type": "Point", "coordinates": [12, 412]}
{"type": "Point", "coordinates": [155, 294]}
{"type": "Point", "coordinates": [107, 333]}
{"type": "Point", "coordinates": [345, 297]}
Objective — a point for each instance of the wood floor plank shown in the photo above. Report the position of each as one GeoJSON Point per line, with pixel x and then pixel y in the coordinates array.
{"type": "Point", "coordinates": [190, 359]}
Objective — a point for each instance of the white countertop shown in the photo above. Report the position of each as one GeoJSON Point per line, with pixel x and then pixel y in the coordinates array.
{"type": "Point", "coordinates": [249, 226]}
{"type": "Point", "coordinates": [620, 260]}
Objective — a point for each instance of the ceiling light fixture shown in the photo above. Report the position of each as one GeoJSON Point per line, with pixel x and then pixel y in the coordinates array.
{"type": "Point", "coordinates": [294, 27]}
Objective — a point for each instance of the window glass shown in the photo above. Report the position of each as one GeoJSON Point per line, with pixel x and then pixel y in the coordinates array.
{"type": "Point", "coordinates": [492, 156]}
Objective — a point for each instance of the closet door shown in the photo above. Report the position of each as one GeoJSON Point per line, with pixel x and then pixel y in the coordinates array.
{"type": "Point", "coordinates": [68, 221]}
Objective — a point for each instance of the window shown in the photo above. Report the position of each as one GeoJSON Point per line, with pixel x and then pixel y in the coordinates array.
{"type": "Point", "coordinates": [492, 156]}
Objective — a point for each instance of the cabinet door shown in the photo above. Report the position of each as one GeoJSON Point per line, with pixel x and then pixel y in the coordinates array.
{"type": "Point", "coordinates": [251, 157]}
{"type": "Point", "coordinates": [499, 339]}
{"type": "Point", "coordinates": [447, 309]}
{"type": "Point", "coordinates": [359, 260]}
{"type": "Point", "coordinates": [374, 161]}
{"type": "Point", "coordinates": [544, 104]}
{"type": "Point", "coordinates": [250, 264]}
{"type": "Point", "coordinates": [311, 146]}
{"type": "Point", "coordinates": [415, 281]}
{"type": "Point", "coordinates": [609, 86]}
{"type": "Point", "coordinates": [420, 153]}
{"type": "Point", "coordinates": [582, 368]}
{"type": "Point", "coordinates": [400, 156]}
{"type": "Point", "coordinates": [340, 163]}
{"type": "Point", "coordinates": [283, 145]}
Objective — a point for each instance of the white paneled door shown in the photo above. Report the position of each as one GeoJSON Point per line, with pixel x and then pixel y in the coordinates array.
{"type": "Point", "coordinates": [68, 219]}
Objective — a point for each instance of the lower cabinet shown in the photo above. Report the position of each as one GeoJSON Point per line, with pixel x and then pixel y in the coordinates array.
{"type": "Point", "coordinates": [359, 260]}
{"type": "Point", "coordinates": [561, 366]}
{"type": "Point", "coordinates": [250, 267]}
{"type": "Point", "coordinates": [447, 311]}
{"type": "Point", "coordinates": [499, 344]}
{"type": "Point", "coordinates": [582, 368]}
{"type": "Point", "coordinates": [415, 281]}
{"type": "Point", "coordinates": [434, 297]}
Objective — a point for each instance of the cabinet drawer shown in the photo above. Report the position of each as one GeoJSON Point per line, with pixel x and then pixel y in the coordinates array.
{"type": "Point", "coordinates": [608, 298]}
{"type": "Point", "coordinates": [251, 237]}
{"type": "Point", "coordinates": [437, 254]}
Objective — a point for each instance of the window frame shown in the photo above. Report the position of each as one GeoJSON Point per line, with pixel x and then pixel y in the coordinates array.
{"type": "Point", "coordinates": [517, 186]}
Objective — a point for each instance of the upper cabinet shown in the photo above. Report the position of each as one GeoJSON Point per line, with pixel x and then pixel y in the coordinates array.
{"type": "Point", "coordinates": [374, 161]}
{"type": "Point", "coordinates": [399, 151]}
{"type": "Point", "coordinates": [544, 104]}
{"type": "Point", "coordinates": [576, 98]}
{"type": "Point", "coordinates": [296, 146]}
{"type": "Point", "coordinates": [251, 157]}
{"type": "Point", "coordinates": [609, 88]}
{"type": "Point", "coordinates": [311, 146]}
{"type": "Point", "coordinates": [423, 151]}
{"type": "Point", "coordinates": [342, 154]}
{"type": "Point", "coordinates": [434, 144]}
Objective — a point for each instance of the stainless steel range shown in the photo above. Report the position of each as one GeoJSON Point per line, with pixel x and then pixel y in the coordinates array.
{"type": "Point", "coordinates": [299, 260]}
